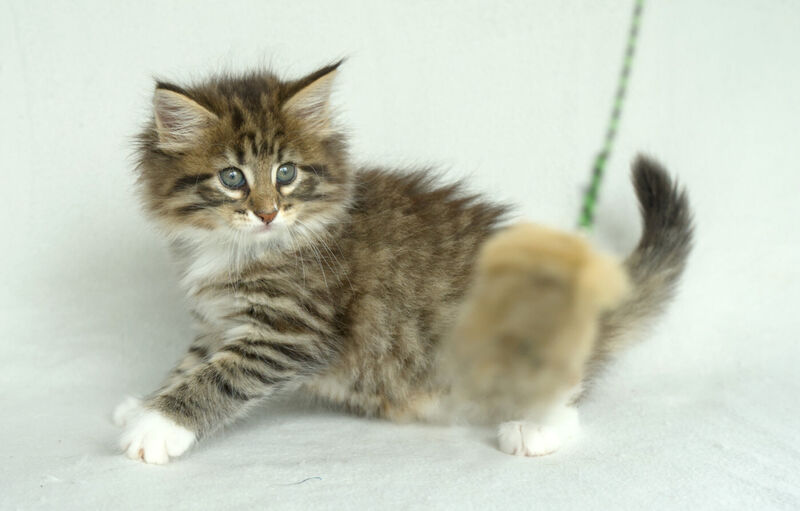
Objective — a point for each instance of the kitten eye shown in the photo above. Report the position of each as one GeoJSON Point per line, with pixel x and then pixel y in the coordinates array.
{"type": "Point", "coordinates": [232, 177]}
{"type": "Point", "coordinates": [286, 174]}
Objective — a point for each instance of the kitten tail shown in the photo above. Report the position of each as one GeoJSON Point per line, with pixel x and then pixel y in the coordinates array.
{"type": "Point", "coordinates": [655, 266]}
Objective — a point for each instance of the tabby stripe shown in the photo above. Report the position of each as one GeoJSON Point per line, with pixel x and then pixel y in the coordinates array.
{"type": "Point", "coordinates": [182, 399]}
{"type": "Point", "coordinates": [310, 309]}
{"type": "Point", "coordinates": [245, 141]}
{"type": "Point", "coordinates": [209, 194]}
{"type": "Point", "coordinates": [224, 385]}
{"type": "Point", "coordinates": [262, 286]}
{"type": "Point", "coordinates": [200, 351]}
{"type": "Point", "coordinates": [237, 118]}
{"type": "Point", "coordinates": [275, 146]}
{"type": "Point", "coordinates": [283, 323]}
{"type": "Point", "coordinates": [292, 351]}
{"type": "Point", "coordinates": [264, 289]}
{"type": "Point", "coordinates": [295, 353]}
{"type": "Point", "coordinates": [294, 316]}
{"type": "Point", "coordinates": [254, 146]}
{"type": "Point", "coordinates": [257, 330]}
{"type": "Point", "coordinates": [319, 197]}
{"type": "Point", "coordinates": [292, 307]}
{"type": "Point", "coordinates": [261, 358]}
{"type": "Point", "coordinates": [177, 406]}
{"type": "Point", "coordinates": [187, 182]}
{"type": "Point", "coordinates": [191, 208]}
{"type": "Point", "coordinates": [266, 380]}
{"type": "Point", "coordinates": [239, 369]}
{"type": "Point", "coordinates": [255, 288]}
{"type": "Point", "coordinates": [306, 189]}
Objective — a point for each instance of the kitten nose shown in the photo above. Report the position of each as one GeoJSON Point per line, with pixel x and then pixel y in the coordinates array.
{"type": "Point", "coordinates": [267, 217]}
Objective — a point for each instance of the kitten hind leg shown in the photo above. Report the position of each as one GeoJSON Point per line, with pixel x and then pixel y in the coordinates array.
{"type": "Point", "coordinates": [527, 329]}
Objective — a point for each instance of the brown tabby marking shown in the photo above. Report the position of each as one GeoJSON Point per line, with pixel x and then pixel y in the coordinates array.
{"type": "Point", "coordinates": [342, 281]}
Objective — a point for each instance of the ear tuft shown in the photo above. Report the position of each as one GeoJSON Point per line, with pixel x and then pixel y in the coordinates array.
{"type": "Point", "coordinates": [309, 97]}
{"type": "Point", "coordinates": [180, 121]}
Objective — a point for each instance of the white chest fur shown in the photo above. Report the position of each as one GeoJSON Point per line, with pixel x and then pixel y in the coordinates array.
{"type": "Point", "coordinates": [209, 278]}
{"type": "Point", "coordinates": [207, 263]}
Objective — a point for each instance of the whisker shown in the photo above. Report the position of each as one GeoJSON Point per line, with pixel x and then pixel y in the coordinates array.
{"type": "Point", "coordinates": [341, 268]}
{"type": "Point", "coordinates": [316, 255]}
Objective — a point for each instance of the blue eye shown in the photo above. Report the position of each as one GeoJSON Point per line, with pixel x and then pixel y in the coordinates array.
{"type": "Point", "coordinates": [286, 174]}
{"type": "Point", "coordinates": [232, 177]}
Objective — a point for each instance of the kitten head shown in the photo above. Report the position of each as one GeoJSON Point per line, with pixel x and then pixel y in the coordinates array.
{"type": "Point", "coordinates": [250, 158]}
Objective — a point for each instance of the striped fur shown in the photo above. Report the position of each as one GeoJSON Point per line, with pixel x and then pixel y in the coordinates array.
{"type": "Point", "coordinates": [347, 293]}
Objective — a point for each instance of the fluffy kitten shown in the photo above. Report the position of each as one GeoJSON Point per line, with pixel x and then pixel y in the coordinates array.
{"type": "Point", "coordinates": [305, 272]}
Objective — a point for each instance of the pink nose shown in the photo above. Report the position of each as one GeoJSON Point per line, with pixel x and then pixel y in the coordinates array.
{"type": "Point", "coordinates": [267, 217]}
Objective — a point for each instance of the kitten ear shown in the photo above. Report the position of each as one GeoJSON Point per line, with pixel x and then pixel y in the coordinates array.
{"type": "Point", "coordinates": [309, 97]}
{"type": "Point", "coordinates": [180, 121]}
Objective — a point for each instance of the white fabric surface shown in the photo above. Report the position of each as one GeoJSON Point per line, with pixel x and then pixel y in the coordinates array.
{"type": "Point", "coordinates": [514, 96]}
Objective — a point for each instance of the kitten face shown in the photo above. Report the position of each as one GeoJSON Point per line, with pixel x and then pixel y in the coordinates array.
{"type": "Point", "coordinates": [252, 159]}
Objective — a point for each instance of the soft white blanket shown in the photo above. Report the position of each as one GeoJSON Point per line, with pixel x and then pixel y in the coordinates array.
{"type": "Point", "coordinates": [704, 414]}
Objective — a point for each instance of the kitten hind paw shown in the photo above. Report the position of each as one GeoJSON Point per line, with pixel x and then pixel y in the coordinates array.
{"type": "Point", "coordinates": [526, 438]}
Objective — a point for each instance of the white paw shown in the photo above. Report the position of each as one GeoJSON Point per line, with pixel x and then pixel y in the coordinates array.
{"type": "Point", "coordinates": [153, 438]}
{"type": "Point", "coordinates": [124, 411]}
{"type": "Point", "coordinates": [525, 438]}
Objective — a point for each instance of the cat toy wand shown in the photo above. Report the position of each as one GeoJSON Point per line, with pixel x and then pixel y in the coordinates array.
{"type": "Point", "coordinates": [586, 218]}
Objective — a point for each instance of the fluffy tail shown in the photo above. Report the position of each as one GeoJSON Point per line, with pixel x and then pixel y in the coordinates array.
{"type": "Point", "coordinates": [655, 266]}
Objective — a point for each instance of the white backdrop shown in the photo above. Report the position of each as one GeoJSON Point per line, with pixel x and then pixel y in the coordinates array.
{"type": "Point", "coordinates": [512, 95]}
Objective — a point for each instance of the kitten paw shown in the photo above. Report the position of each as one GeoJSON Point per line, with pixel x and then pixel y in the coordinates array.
{"type": "Point", "coordinates": [126, 410]}
{"type": "Point", "coordinates": [524, 438]}
{"type": "Point", "coordinates": [154, 438]}
{"type": "Point", "coordinates": [527, 439]}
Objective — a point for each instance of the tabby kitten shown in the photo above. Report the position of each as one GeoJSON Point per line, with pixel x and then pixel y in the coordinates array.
{"type": "Point", "coordinates": [347, 283]}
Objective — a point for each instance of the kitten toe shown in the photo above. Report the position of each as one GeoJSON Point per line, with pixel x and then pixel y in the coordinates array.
{"type": "Point", "coordinates": [153, 438]}
{"type": "Point", "coordinates": [125, 411]}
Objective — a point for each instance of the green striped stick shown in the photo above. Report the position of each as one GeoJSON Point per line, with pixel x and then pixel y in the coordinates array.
{"type": "Point", "coordinates": [586, 219]}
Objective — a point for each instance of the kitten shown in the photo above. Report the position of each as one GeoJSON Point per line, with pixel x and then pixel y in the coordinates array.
{"type": "Point", "coordinates": [348, 283]}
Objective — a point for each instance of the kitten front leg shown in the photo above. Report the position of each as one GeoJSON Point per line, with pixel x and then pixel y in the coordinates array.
{"type": "Point", "coordinates": [216, 392]}
{"type": "Point", "coordinates": [199, 351]}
